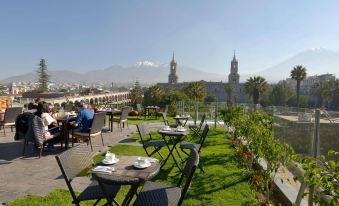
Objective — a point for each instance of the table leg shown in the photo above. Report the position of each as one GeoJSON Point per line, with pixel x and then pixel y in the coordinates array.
{"type": "Point", "coordinates": [111, 121]}
{"type": "Point", "coordinates": [65, 133]}
{"type": "Point", "coordinates": [175, 142]}
{"type": "Point", "coordinates": [130, 194]}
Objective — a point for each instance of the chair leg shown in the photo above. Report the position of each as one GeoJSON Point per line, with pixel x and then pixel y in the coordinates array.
{"type": "Point", "coordinates": [42, 147]}
{"type": "Point", "coordinates": [102, 139]}
{"type": "Point", "coordinates": [24, 149]}
{"type": "Point", "coordinates": [90, 142]}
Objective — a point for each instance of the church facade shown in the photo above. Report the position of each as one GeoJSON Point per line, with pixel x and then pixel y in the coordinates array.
{"type": "Point", "coordinates": [231, 92]}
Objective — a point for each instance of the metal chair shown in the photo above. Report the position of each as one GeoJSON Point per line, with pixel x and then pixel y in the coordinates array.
{"type": "Point", "coordinates": [10, 117]}
{"type": "Point", "coordinates": [156, 144]}
{"type": "Point", "coordinates": [165, 120]}
{"type": "Point", "coordinates": [96, 129]}
{"type": "Point", "coordinates": [196, 146]}
{"type": "Point", "coordinates": [159, 114]}
{"type": "Point", "coordinates": [156, 194]}
{"type": "Point", "coordinates": [196, 128]}
{"type": "Point", "coordinates": [123, 117]}
{"type": "Point", "coordinates": [74, 161]}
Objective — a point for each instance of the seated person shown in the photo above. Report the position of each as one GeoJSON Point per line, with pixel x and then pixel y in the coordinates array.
{"type": "Point", "coordinates": [84, 119]}
{"type": "Point", "coordinates": [50, 125]}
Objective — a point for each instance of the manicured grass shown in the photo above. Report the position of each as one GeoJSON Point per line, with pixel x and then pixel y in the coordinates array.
{"type": "Point", "coordinates": [223, 182]}
{"type": "Point", "coordinates": [136, 120]}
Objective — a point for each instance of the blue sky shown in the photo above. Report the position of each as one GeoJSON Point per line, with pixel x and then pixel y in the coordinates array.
{"type": "Point", "coordinates": [85, 35]}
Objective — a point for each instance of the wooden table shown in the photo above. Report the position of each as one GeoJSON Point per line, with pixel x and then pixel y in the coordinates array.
{"type": "Point", "coordinates": [149, 110]}
{"type": "Point", "coordinates": [173, 136]}
{"type": "Point", "coordinates": [126, 174]}
{"type": "Point", "coordinates": [65, 128]}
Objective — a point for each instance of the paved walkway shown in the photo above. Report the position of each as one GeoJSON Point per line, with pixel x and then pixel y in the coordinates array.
{"type": "Point", "coordinates": [29, 175]}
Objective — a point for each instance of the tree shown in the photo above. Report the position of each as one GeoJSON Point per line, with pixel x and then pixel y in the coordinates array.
{"type": "Point", "coordinates": [254, 87]}
{"type": "Point", "coordinates": [196, 91]}
{"type": "Point", "coordinates": [43, 76]}
{"type": "Point", "coordinates": [281, 93]}
{"type": "Point", "coordinates": [154, 95]}
{"type": "Point", "coordinates": [298, 73]}
{"type": "Point", "coordinates": [320, 91]}
{"type": "Point", "coordinates": [136, 94]}
{"type": "Point", "coordinates": [2, 89]}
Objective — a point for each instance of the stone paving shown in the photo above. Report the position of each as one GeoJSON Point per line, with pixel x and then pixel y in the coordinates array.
{"type": "Point", "coordinates": [29, 175]}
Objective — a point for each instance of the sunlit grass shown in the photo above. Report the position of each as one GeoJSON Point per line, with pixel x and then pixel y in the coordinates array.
{"type": "Point", "coordinates": [223, 182]}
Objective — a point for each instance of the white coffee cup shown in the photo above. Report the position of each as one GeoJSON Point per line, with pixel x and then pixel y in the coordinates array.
{"type": "Point", "coordinates": [167, 127]}
{"type": "Point", "coordinates": [141, 161]}
{"type": "Point", "coordinates": [109, 157]}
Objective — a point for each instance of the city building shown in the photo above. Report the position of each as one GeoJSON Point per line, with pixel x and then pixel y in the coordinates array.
{"type": "Point", "coordinates": [232, 92]}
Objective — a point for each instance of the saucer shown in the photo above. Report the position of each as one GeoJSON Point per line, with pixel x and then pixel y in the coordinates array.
{"type": "Point", "coordinates": [166, 129]}
{"type": "Point", "coordinates": [105, 162]}
{"type": "Point", "coordinates": [181, 130]}
{"type": "Point", "coordinates": [139, 166]}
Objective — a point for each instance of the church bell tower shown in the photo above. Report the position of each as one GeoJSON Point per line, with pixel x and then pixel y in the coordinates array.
{"type": "Point", "coordinates": [173, 77]}
{"type": "Point", "coordinates": [233, 81]}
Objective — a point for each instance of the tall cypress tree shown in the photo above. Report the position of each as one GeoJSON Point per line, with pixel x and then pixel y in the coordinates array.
{"type": "Point", "coordinates": [43, 76]}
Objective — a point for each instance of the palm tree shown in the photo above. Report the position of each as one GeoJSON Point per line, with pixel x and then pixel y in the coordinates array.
{"type": "Point", "coordinates": [255, 86]}
{"type": "Point", "coordinates": [298, 73]}
{"type": "Point", "coordinates": [154, 95]}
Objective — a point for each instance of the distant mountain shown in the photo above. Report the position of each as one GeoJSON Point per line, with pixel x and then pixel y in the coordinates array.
{"type": "Point", "coordinates": [317, 61]}
{"type": "Point", "coordinates": [144, 71]}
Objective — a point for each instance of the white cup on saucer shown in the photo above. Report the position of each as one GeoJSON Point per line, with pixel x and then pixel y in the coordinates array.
{"type": "Point", "coordinates": [167, 127]}
{"type": "Point", "coordinates": [142, 161]}
{"type": "Point", "coordinates": [109, 157]}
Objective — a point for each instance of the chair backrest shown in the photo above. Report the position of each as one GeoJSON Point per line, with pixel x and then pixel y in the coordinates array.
{"type": "Point", "coordinates": [203, 136]}
{"type": "Point", "coordinates": [72, 162]}
{"type": "Point", "coordinates": [202, 121]}
{"type": "Point", "coordinates": [124, 113]}
{"type": "Point", "coordinates": [38, 130]}
{"type": "Point", "coordinates": [164, 118]}
{"type": "Point", "coordinates": [142, 131]}
{"type": "Point", "coordinates": [98, 122]}
{"type": "Point", "coordinates": [166, 108]}
{"type": "Point", "coordinates": [188, 172]}
{"type": "Point", "coordinates": [11, 114]}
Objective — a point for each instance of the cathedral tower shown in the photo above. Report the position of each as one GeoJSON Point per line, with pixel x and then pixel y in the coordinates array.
{"type": "Point", "coordinates": [233, 81]}
{"type": "Point", "coordinates": [173, 77]}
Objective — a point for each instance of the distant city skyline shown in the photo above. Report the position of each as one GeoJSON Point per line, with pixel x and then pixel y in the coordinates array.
{"type": "Point", "coordinates": [87, 35]}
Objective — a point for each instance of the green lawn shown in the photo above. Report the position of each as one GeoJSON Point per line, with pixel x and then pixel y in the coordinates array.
{"type": "Point", "coordinates": [223, 182]}
{"type": "Point", "coordinates": [136, 120]}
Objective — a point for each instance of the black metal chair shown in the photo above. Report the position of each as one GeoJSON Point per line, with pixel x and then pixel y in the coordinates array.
{"type": "Point", "coordinates": [165, 120]}
{"type": "Point", "coordinates": [156, 144]}
{"type": "Point", "coordinates": [10, 118]}
{"type": "Point", "coordinates": [96, 129]}
{"type": "Point", "coordinates": [159, 114]}
{"type": "Point", "coordinates": [197, 146]}
{"type": "Point", "coordinates": [196, 128]}
{"type": "Point", "coordinates": [156, 194]}
{"type": "Point", "coordinates": [123, 117]}
{"type": "Point", "coordinates": [76, 160]}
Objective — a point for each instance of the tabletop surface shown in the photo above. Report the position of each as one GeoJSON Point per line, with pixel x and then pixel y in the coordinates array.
{"type": "Point", "coordinates": [126, 173]}
{"type": "Point", "coordinates": [152, 107]}
{"type": "Point", "coordinates": [174, 132]}
{"type": "Point", "coordinates": [180, 117]}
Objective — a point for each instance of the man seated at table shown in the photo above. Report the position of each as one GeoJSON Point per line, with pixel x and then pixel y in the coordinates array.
{"type": "Point", "coordinates": [83, 121]}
